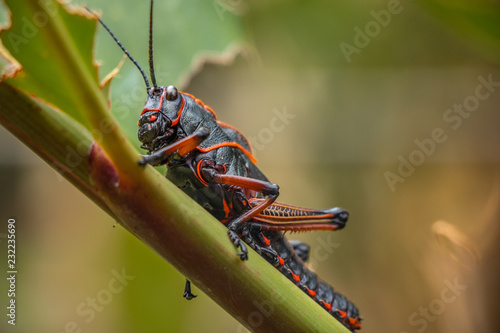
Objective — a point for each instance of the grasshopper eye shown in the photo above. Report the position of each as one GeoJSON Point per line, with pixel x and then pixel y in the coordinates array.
{"type": "Point", "coordinates": [172, 93]}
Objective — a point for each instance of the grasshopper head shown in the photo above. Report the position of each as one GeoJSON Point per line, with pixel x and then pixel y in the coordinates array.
{"type": "Point", "coordinates": [159, 118]}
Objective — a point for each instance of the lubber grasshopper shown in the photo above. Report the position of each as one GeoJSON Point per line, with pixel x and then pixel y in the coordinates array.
{"type": "Point", "coordinates": [212, 162]}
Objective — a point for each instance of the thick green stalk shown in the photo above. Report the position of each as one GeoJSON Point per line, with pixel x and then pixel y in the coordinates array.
{"type": "Point", "coordinates": [89, 94]}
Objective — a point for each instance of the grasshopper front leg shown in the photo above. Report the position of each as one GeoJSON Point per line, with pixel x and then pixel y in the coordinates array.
{"type": "Point", "coordinates": [182, 147]}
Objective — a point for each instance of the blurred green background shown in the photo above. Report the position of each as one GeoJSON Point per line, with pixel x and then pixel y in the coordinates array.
{"type": "Point", "coordinates": [327, 128]}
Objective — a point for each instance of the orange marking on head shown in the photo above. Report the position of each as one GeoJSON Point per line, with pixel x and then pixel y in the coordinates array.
{"type": "Point", "coordinates": [161, 103]}
{"type": "Point", "coordinates": [176, 120]}
{"type": "Point", "coordinates": [281, 260]}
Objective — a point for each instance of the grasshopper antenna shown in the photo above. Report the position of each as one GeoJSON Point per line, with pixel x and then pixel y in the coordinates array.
{"type": "Point", "coordinates": [151, 64]}
{"type": "Point", "coordinates": [123, 49]}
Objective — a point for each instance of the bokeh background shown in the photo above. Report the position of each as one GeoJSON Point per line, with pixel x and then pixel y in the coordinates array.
{"type": "Point", "coordinates": [332, 129]}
